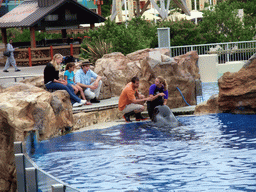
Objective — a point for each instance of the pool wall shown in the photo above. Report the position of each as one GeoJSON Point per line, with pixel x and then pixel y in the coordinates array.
{"type": "Point", "coordinates": [30, 178]}
{"type": "Point", "coordinates": [210, 70]}
{"type": "Point", "coordinates": [85, 119]}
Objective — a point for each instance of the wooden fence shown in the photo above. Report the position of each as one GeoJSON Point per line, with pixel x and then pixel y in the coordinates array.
{"type": "Point", "coordinates": [38, 56]}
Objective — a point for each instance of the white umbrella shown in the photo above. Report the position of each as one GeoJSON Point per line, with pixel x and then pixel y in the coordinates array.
{"type": "Point", "coordinates": [150, 17]}
{"type": "Point", "coordinates": [195, 14]}
{"type": "Point", "coordinates": [152, 11]}
{"type": "Point", "coordinates": [176, 16]}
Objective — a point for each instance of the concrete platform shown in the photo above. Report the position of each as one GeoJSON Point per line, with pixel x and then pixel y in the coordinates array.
{"type": "Point", "coordinates": [103, 105]}
{"type": "Point", "coordinates": [113, 103]}
{"type": "Point", "coordinates": [184, 110]}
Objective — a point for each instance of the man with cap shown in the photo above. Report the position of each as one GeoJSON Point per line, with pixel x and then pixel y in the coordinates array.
{"type": "Point", "coordinates": [84, 78]}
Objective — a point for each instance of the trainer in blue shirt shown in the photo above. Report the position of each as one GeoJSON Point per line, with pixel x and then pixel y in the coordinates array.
{"type": "Point", "coordinates": [91, 87]}
{"type": "Point", "coordinates": [158, 93]}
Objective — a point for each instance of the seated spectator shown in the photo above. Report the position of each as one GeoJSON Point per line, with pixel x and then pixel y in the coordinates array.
{"type": "Point", "coordinates": [52, 81]}
{"type": "Point", "coordinates": [69, 76]}
{"type": "Point", "coordinates": [158, 93]}
{"type": "Point", "coordinates": [84, 78]}
{"type": "Point", "coordinates": [131, 101]}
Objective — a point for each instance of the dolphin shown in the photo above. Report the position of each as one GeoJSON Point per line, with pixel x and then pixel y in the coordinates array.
{"type": "Point", "coordinates": [163, 116]}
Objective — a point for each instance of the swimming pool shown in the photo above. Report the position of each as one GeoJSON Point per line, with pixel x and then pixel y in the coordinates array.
{"type": "Point", "coordinates": [207, 153]}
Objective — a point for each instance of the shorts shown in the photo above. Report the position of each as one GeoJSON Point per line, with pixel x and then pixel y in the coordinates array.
{"type": "Point", "coordinates": [131, 107]}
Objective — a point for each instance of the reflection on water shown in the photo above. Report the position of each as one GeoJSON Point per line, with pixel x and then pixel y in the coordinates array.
{"type": "Point", "coordinates": [209, 89]}
{"type": "Point", "coordinates": [206, 153]}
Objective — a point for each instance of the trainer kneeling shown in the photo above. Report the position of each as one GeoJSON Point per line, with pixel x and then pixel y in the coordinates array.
{"type": "Point", "coordinates": [131, 101]}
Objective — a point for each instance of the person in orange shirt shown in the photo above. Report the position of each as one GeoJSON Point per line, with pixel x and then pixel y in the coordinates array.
{"type": "Point", "coordinates": [131, 101]}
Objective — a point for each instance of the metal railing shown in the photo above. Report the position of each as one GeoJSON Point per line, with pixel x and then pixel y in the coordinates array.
{"type": "Point", "coordinates": [227, 52]}
{"type": "Point", "coordinates": [30, 178]}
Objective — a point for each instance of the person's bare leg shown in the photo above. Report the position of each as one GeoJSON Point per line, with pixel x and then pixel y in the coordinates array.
{"type": "Point", "coordinates": [75, 89]}
{"type": "Point", "coordinates": [80, 89]}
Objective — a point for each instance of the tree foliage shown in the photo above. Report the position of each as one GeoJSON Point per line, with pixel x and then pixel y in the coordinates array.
{"type": "Point", "coordinates": [221, 24]}
{"type": "Point", "coordinates": [125, 39]}
{"type": "Point", "coordinates": [249, 8]}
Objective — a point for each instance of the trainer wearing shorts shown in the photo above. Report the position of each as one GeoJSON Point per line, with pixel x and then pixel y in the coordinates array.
{"type": "Point", "coordinates": [131, 101]}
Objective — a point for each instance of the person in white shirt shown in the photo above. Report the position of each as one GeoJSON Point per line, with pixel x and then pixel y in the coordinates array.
{"type": "Point", "coordinates": [84, 78]}
{"type": "Point", "coordinates": [10, 60]}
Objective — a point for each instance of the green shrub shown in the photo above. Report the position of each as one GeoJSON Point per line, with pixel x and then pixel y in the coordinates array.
{"type": "Point", "coordinates": [125, 39]}
{"type": "Point", "coordinates": [24, 35]}
{"type": "Point", "coordinates": [223, 25]}
{"type": "Point", "coordinates": [97, 49]}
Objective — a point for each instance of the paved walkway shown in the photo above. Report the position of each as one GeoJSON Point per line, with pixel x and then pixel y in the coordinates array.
{"type": "Point", "coordinates": [104, 104]}
{"type": "Point", "coordinates": [25, 72]}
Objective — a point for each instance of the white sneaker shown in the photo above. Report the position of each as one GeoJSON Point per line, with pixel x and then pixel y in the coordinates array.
{"type": "Point", "coordinates": [83, 101]}
{"type": "Point", "coordinates": [76, 104]}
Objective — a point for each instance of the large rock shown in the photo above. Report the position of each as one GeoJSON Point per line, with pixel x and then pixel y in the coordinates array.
{"type": "Point", "coordinates": [181, 72]}
{"type": "Point", "coordinates": [36, 81]}
{"type": "Point", "coordinates": [23, 108]}
{"type": "Point", "coordinates": [26, 107]}
{"type": "Point", "coordinates": [209, 106]}
{"type": "Point", "coordinates": [237, 91]}
{"type": "Point", "coordinates": [8, 180]}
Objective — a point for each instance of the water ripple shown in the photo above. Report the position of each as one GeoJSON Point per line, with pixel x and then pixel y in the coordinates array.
{"type": "Point", "coordinates": [207, 153]}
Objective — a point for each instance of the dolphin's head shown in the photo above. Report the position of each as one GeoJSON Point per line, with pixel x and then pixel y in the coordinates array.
{"type": "Point", "coordinates": [163, 116]}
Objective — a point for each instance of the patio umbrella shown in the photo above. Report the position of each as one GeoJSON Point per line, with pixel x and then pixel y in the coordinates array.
{"type": "Point", "coordinates": [149, 16]}
{"type": "Point", "coordinates": [176, 16]}
{"type": "Point", "coordinates": [195, 14]}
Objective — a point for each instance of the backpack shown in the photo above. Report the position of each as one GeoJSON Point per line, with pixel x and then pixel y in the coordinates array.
{"type": "Point", "coordinates": [7, 53]}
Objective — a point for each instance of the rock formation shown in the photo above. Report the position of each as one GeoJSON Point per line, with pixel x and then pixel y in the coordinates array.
{"type": "Point", "coordinates": [209, 106]}
{"type": "Point", "coordinates": [237, 91]}
{"type": "Point", "coordinates": [181, 71]}
{"type": "Point", "coordinates": [26, 107]}
{"type": "Point", "coordinates": [8, 181]}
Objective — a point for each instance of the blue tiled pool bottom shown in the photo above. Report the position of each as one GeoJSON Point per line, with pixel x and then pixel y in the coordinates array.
{"type": "Point", "coordinates": [208, 153]}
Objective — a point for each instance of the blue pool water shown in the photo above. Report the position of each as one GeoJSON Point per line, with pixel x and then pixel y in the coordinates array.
{"type": "Point", "coordinates": [207, 153]}
{"type": "Point", "coordinates": [209, 89]}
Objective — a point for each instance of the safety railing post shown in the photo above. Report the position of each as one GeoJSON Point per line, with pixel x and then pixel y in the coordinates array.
{"type": "Point", "coordinates": [58, 188]}
{"type": "Point", "coordinates": [31, 179]}
{"type": "Point", "coordinates": [18, 147]}
{"type": "Point", "coordinates": [20, 169]}
{"type": "Point", "coordinates": [227, 52]}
